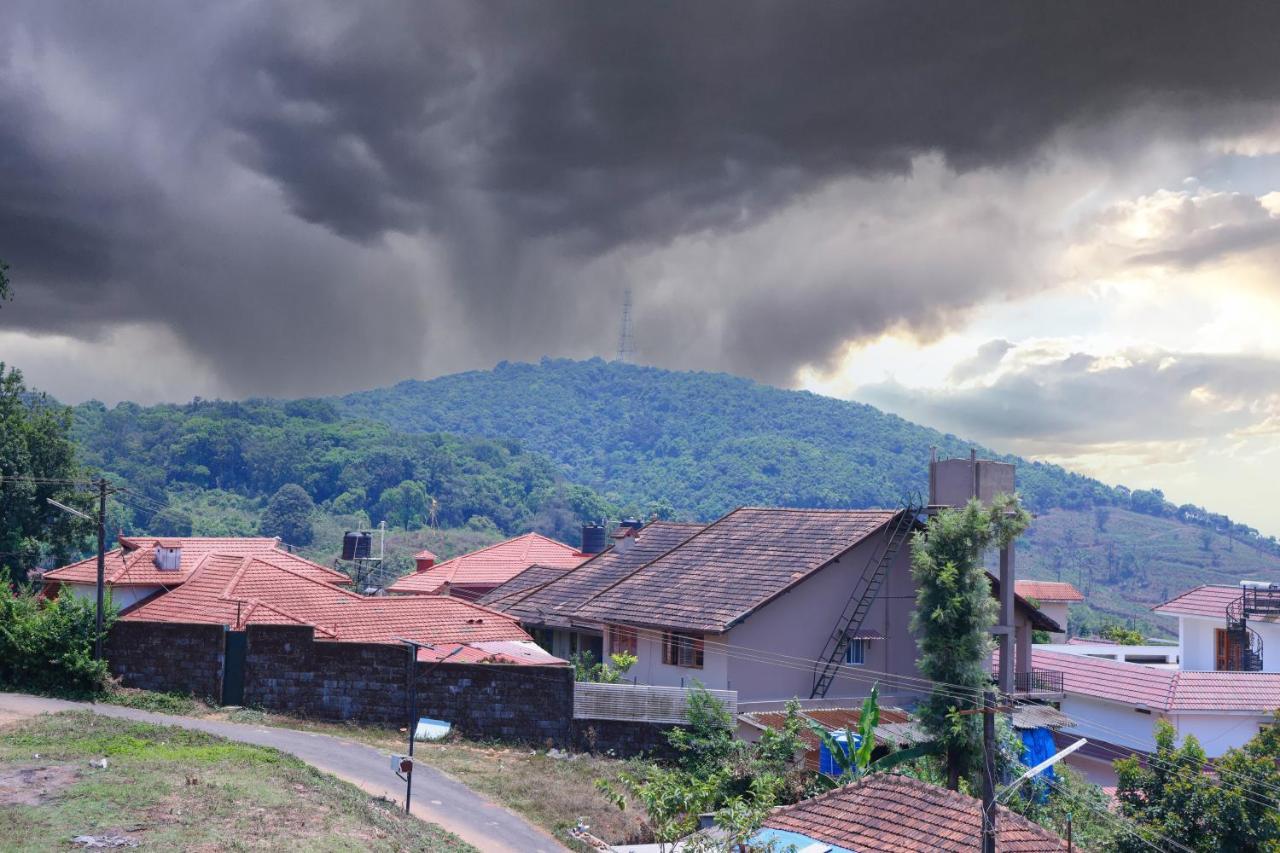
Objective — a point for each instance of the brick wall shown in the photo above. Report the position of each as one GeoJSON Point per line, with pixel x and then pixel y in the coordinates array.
{"type": "Point", "coordinates": [167, 657]}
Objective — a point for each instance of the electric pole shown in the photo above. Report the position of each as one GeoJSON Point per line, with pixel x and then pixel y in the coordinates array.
{"type": "Point", "coordinates": [988, 773]}
{"type": "Point", "coordinates": [626, 345]}
{"type": "Point", "coordinates": [102, 564]}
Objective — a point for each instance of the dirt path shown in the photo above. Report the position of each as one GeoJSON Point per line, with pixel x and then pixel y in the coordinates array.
{"type": "Point", "coordinates": [437, 798]}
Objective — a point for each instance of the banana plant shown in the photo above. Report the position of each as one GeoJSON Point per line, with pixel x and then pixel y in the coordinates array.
{"type": "Point", "coordinates": [854, 761]}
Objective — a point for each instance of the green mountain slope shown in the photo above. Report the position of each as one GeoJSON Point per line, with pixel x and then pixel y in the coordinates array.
{"type": "Point", "coordinates": [698, 444]}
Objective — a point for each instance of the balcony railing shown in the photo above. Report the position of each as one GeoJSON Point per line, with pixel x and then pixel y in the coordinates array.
{"type": "Point", "coordinates": [1035, 682]}
{"type": "Point", "coordinates": [1038, 681]}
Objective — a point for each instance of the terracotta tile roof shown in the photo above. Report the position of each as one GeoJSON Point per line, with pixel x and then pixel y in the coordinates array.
{"type": "Point", "coordinates": [1047, 590]}
{"type": "Point", "coordinates": [832, 719]}
{"type": "Point", "coordinates": [1037, 616]}
{"type": "Point", "coordinates": [721, 575]}
{"type": "Point", "coordinates": [237, 591]}
{"type": "Point", "coordinates": [1162, 689]}
{"type": "Point", "coordinates": [133, 564]}
{"type": "Point", "coordinates": [491, 566]}
{"type": "Point", "coordinates": [532, 578]}
{"type": "Point", "coordinates": [1208, 600]}
{"type": "Point", "coordinates": [887, 812]}
{"type": "Point", "coordinates": [555, 603]}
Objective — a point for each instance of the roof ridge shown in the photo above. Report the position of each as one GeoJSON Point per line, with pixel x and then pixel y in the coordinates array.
{"type": "Point", "coordinates": [235, 576]}
{"type": "Point", "coordinates": [291, 555]}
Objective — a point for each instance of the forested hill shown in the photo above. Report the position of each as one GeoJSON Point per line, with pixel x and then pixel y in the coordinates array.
{"type": "Point", "coordinates": [215, 464]}
{"type": "Point", "coordinates": [706, 442]}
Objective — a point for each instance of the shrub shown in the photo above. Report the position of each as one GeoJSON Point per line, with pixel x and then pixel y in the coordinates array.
{"type": "Point", "coordinates": [47, 646]}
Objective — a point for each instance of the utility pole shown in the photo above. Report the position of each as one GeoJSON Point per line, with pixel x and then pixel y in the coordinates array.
{"type": "Point", "coordinates": [102, 487]}
{"type": "Point", "coordinates": [102, 563]}
{"type": "Point", "coordinates": [989, 772]}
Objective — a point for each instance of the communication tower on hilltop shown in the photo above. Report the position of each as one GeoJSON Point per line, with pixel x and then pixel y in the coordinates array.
{"type": "Point", "coordinates": [626, 346]}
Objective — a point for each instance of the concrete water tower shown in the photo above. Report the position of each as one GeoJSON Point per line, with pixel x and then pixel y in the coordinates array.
{"type": "Point", "coordinates": [955, 482]}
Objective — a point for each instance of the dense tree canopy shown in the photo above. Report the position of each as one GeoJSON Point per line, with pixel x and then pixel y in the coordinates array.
{"type": "Point", "coordinates": [288, 515]}
{"type": "Point", "coordinates": [252, 449]}
{"type": "Point", "coordinates": [36, 459]}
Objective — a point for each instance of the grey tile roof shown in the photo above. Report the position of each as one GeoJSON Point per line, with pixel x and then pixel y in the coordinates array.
{"type": "Point", "coordinates": [555, 603]}
{"type": "Point", "coordinates": [722, 574]}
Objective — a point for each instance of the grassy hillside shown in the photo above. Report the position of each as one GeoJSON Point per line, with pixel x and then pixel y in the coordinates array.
{"type": "Point", "coordinates": [1125, 562]}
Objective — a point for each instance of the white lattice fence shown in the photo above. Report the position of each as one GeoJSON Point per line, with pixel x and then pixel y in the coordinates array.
{"type": "Point", "coordinates": [639, 702]}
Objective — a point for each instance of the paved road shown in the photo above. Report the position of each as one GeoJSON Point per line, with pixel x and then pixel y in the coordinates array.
{"type": "Point", "coordinates": [436, 797]}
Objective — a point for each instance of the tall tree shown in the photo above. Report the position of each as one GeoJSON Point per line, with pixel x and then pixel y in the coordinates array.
{"type": "Point", "coordinates": [5, 293]}
{"type": "Point", "coordinates": [954, 615]}
{"type": "Point", "coordinates": [288, 515]}
{"type": "Point", "coordinates": [1173, 795]}
{"type": "Point", "coordinates": [36, 459]}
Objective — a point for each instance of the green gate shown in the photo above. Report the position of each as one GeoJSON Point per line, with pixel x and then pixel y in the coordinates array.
{"type": "Point", "coordinates": [233, 669]}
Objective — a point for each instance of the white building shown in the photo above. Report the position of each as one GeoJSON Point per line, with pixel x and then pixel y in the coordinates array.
{"type": "Point", "coordinates": [1115, 694]}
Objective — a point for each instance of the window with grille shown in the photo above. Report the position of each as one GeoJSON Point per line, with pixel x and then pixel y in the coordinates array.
{"type": "Point", "coordinates": [856, 652]}
{"type": "Point", "coordinates": [682, 649]}
{"type": "Point", "coordinates": [622, 640]}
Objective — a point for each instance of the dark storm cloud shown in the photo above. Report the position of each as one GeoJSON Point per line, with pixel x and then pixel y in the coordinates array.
{"type": "Point", "coordinates": [985, 360]}
{"type": "Point", "coordinates": [257, 176]}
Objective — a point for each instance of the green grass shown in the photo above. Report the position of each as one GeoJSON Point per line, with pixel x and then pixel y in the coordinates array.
{"type": "Point", "coordinates": [171, 788]}
{"type": "Point", "coordinates": [150, 700]}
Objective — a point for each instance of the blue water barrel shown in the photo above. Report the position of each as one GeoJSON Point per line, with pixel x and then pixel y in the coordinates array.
{"type": "Point", "coordinates": [826, 762]}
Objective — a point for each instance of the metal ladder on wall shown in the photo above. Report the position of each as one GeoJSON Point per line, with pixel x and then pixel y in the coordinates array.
{"type": "Point", "coordinates": [863, 596]}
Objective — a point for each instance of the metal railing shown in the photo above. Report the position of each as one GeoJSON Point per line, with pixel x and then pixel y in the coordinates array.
{"type": "Point", "coordinates": [640, 702]}
{"type": "Point", "coordinates": [1038, 681]}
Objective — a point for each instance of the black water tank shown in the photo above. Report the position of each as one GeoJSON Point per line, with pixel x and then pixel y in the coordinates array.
{"type": "Point", "coordinates": [594, 537]}
{"type": "Point", "coordinates": [356, 546]}
{"type": "Point", "coordinates": [633, 523]}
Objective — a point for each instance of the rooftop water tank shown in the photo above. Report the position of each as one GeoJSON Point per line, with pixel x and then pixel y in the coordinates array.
{"type": "Point", "coordinates": [594, 538]}
{"type": "Point", "coordinates": [357, 545]}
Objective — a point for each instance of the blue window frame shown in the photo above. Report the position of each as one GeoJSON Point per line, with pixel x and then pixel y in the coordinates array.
{"type": "Point", "coordinates": [856, 652]}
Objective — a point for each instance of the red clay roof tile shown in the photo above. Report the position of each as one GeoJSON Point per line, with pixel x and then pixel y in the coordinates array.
{"type": "Point", "coordinates": [887, 812]}
{"type": "Point", "coordinates": [491, 566]}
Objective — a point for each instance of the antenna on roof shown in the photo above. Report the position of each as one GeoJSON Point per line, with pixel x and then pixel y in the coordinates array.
{"type": "Point", "coordinates": [626, 345]}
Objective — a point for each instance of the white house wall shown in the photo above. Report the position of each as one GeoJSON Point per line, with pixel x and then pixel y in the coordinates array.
{"type": "Point", "coordinates": [121, 596]}
{"type": "Point", "coordinates": [1197, 637]}
{"type": "Point", "coordinates": [1113, 722]}
{"type": "Point", "coordinates": [1219, 732]}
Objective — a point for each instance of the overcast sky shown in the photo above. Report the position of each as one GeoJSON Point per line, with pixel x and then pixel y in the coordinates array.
{"type": "Point", "coordinates": [1054, 227]}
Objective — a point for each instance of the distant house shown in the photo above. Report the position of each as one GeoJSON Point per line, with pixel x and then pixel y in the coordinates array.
{"type": "Point", "coordinates": [1219, 683]}
{"type": "Point", "coordinates": [897, 814]}
{"type": "Point", "coordinates": [470, 576]}
{"type": "Point", "coordinates": [1053, 598]}
{"type": "Point", "coordinates": [238, 591]}
{"type": "Point", "coordinates": [749, 603]}
{"type": "Point", "coordinates": [234, 583]}
{"type": "Point", "coordinates": [145, 566]}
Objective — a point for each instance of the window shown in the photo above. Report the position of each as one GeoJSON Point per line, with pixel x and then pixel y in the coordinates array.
{"type": "Point", "coordinates": [682, 649]}
{"type": "Point", "coordinates": [622, 640]}
{"type": "Point", "coordinates": [856, 652]}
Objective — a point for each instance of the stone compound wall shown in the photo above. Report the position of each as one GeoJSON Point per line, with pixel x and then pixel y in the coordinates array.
{"type": "Point", "coordinates": [287, 670]}
{"type": "Point", "coordinates": [167, 657]}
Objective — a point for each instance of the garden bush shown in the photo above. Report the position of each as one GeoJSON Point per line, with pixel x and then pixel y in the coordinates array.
{"type": "Point", "coordinates": [47, 646]}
